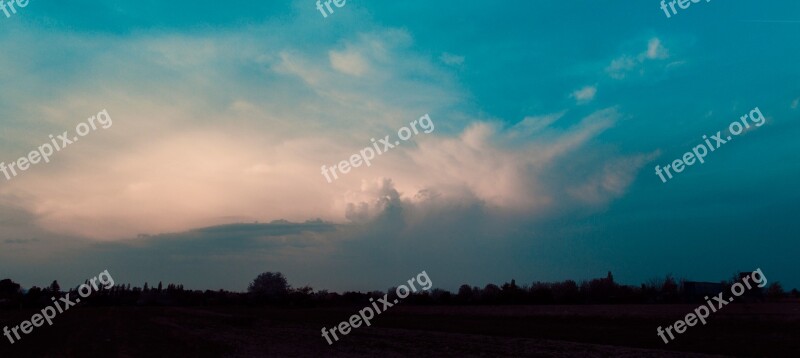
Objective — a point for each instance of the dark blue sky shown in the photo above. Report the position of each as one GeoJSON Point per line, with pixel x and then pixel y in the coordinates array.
{"type": "Point", "coordinates": [550, 117]}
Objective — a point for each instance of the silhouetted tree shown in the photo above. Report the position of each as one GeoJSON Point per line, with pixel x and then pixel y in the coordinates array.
{"type": "Point", "coordinates": [490, 293]}
{"type": "Point", "coordinates": [775, 291]}
{"type": "Point", "coordinates": [465, 294]}
{"type": "Point", "coordinates": [541, 293]}
{"type": "Point", "coordinates": [669, 290]}
{"type": "Point", "coordinates": [34, 297]}
{"type": "Point", "coordinates": [9, 288]}
{"type": "Point", "coordinates": [511, 293]}
{"type": "Point", "coordinates": [10, 293]}
{"type": "Point", "coordinates": [54, 288]}
{"type": "Point", "coordinates": [565, 292]}
{"type": "Point", "coordinates": [440, 296]}
{"type": "Point", "coordinates": [270, 285]}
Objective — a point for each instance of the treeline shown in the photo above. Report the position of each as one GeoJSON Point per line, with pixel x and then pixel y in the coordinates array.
{"type": "Point", "coordinates": [273, 289]}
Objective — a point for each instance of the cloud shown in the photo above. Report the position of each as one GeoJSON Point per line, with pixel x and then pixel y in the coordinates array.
{"type": "Point", "coordinates": [509, 168]}
{"type": "Point", "coordinates": [183, 153]}
{"type": "Point", "coordinates": [351, 63]}
{"type": "Point", "coordinates": [20, 241]}
{"type": "Point", "coordinates": [373, 200]}
{"type": "Point", "coordinates": [534, 124]}
{"type": "Point", "coordinates": [585, 94]}
{"type": "Point", "coordinates": [619, 67]}
{"type": "Point", "coordinates": [237, 238]}
{"type": "Point", "coordinates": [238, 132]}
{"type": "Point", "coordinates": [612, 181]}
{"type": "Point", "coordinates": [451, 60]}
{"type": "Point", "coordinates": [655, 50]}
{"type": "Point", "coordinates": [623, 66]}
{"type": "Point", "coordinates": [795, 103]}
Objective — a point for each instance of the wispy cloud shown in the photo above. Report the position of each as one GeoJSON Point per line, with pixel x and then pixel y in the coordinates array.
{"type": "Point", "coordinates": [585, 94]}
{"type": "Point", "coordinates": [349, 62]}
{"type": "Point", "coordinates": [624, 65]}
{"type": "Point", "coordinates": [452, 60]}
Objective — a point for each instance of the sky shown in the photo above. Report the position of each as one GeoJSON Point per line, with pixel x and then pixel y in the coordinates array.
{"type": "Point", "coordinates": [548, 120]}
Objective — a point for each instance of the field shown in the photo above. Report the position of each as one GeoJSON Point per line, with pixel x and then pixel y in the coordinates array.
{"type": "Point", "coordinates": [457, 331]}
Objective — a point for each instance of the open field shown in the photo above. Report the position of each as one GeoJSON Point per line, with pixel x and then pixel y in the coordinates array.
{"type": "Point", "coordinates": [551, 331]}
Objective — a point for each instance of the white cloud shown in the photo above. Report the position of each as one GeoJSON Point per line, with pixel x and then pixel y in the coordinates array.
{"type": "Point", "coordinates": [349, 62]}
{"type": "Point", "coordinates": [585, 94]}
{"type": "Point", "coordinates": [492, 165]}
{"type": "Point", "coordinates": [655, 50]}
{"type": "Point", "coordinates": [796, 103]}
{"type": "Point", "coordinates": [622, 66]}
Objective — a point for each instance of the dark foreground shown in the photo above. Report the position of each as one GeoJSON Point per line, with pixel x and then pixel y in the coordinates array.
{"type": "Point", "coordinates": [540, 331]}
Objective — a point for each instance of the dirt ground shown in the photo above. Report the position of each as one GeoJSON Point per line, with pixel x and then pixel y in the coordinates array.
{"type": "Point", "coordinates": [462, 331]}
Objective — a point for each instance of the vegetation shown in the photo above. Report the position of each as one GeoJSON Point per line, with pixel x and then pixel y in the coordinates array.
{"type": "Point", "coordinates": [273, 289]}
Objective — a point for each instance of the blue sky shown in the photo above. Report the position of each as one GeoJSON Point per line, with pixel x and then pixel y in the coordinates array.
{"type": "Point", "coordinates": [550, 117]}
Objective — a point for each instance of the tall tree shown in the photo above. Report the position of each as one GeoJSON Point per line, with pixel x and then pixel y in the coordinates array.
{"type": "Point", "coordinates": [55, 288]}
